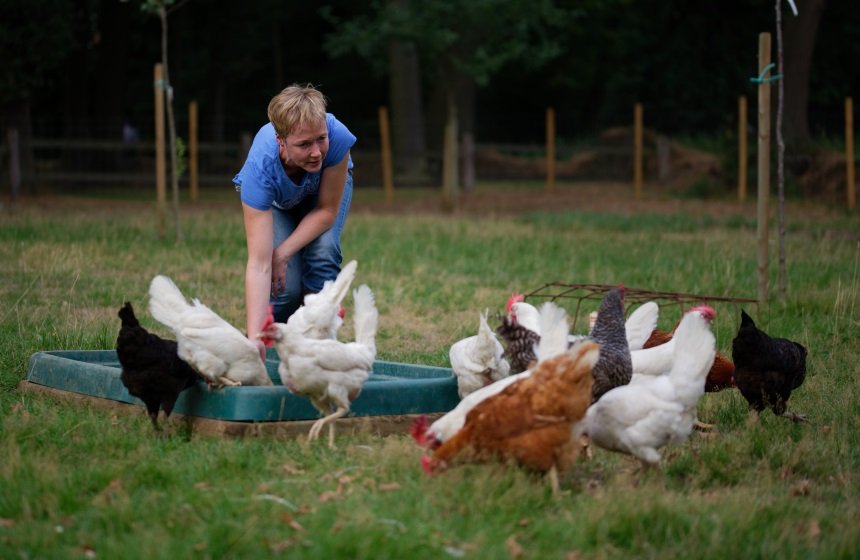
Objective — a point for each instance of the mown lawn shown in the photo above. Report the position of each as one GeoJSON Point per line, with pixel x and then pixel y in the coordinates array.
{"type": "Point", "coordinates": [82, 481]}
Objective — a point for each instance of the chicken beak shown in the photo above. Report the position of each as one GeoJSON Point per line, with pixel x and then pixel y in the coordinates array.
{"type": "Point", "coordinates": [269, 335]}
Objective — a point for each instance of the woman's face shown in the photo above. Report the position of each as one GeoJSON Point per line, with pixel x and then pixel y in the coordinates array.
{"type": "Point", "coordinates": [305, 147]}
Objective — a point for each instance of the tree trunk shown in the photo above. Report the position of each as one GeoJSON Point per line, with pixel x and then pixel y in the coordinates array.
{"type": "Point", "coordinates": [800, 35]}
{"type": "Point", "coordinates": [18, 117]}
{"type": "Point", "coordinates": [466, 123]}
{"type": "Point", "coordinates": [407, 127]}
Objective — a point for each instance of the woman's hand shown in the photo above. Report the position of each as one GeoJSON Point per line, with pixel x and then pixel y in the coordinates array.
{"type": "Point", "coordinates": [280, 261]}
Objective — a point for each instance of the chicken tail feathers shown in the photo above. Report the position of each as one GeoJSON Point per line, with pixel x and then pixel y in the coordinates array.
{"type": "Point", "coordinates": [166, 302]}
{"type": "Point", "coordinates": [485, 333]}
{"type": "Point", "coordinates": [366, 316]}
{"type": "Point", "coordinates": [126, 315]}
{"type": "Point", "coordinates": [337, 290]}
{"type": "Point", "coordinates": [554, 330]}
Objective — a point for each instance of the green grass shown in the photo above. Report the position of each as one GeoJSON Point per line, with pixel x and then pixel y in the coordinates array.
{"type": "Point", "coordinates": [78, 480]}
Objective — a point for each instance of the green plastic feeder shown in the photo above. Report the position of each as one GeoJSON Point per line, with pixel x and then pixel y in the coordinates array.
{"type": "Point", "coordinates": [392, 389]}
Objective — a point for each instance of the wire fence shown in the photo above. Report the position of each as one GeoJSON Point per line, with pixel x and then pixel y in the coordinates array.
{"type": "Point", "coordinates": [72, 163]}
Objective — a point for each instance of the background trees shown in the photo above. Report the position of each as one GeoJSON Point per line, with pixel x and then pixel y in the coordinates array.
{"type": "Point", "coordinates": [78, 69]}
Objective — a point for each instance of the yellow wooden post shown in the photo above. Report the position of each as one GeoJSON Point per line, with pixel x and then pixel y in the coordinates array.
{"type": "Point", "coordinates": [849, 153]}
{"type": "Point", "coordinates": [193, 168]}
{"type": "Point", "coordinates": [637, 150]}
{"type": "Point", "coordinates": [160, 161]}
{"type": "Point", "coordinates": [763, 166]}
{"type": "Point", "coordinates": [742, 148]}
{"type": "Point", "coordinates": [450, 158]}
{"type": "Point", "coordinates": [385, 147]}
{"type": "Point", "coordinates": [550, 149]}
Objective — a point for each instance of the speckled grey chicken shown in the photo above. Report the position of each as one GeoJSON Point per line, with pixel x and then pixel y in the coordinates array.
{"type": "Point", "coordinates": [767, 369]}
{"type": "Point", "coordinates": [614, 368]}
{"type": "Point", "coordinates": [519, 332]}
{"type": "Point", "coordinates": [519, 343]}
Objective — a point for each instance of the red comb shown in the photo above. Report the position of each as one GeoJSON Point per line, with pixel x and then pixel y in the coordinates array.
{"type": "Point", "coordinates": [705, 311]}
{"type": "Point", "coordinates": [267, 322]}
{"type": "Point", "coordinates": [341, 312]}
{"type": "Point", "coordinates": [515, 298]}
{"type": "Point", "coordinates": [427, 464]}
{"type": "Point", "coordinates": [418, 430]}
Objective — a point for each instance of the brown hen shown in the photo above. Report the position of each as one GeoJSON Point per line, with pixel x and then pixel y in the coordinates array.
{"type": "Point", "coordinates": [534, 421]}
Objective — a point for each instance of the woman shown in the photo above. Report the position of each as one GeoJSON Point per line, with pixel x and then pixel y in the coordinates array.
{"type": "Point", "coordinates": [295, 186]}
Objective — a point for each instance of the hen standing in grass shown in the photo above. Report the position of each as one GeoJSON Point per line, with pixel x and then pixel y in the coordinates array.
{"type": "Point", "coordinates": [767, 369]}
{"type": "Point", "coordinates": [534, 420]}
{"type": "Point", "coordinates": [477, 360]}
{"type": "Point", "coordinates": [151, 369]}
{"type": "Point", "coordinates": [642, 417]}
{"type": "Point", "coordinates": [328, 372]}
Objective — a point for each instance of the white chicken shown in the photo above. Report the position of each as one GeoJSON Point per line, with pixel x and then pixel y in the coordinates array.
{"type": "Point", "coordinates": [640, 324]}
{"type": "Point", "coordinates": [657, 360]}
{"type": "Point", "coordinates": [522, 313]}
{"type": "Point", "coordinates": [212, 346]}
{"type": "Point", "coordinates": [330, 373]}
{"type": "Point", "coordinates": [552, 320]}
{"type": "Point", "coordinates": [477, 360]}
{"type": "Point", "coordinates": [640, 418]}
{"type": "Point", "coordinates": [321, 314]}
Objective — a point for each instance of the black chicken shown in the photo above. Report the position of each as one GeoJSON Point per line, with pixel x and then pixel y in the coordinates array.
{"type": "Point", "coordinates": [767, 369]}
{"type": "Point", "coordinates": [151, 369]}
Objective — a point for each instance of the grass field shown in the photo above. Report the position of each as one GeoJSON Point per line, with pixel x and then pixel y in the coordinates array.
{"type": "Point", "coordinates": [80, 481]}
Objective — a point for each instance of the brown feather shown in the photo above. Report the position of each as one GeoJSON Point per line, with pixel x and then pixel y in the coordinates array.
{"type": "Point", "coordinates": [529, 421]}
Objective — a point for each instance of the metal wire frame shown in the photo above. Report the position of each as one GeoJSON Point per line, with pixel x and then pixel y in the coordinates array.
{"type": "Point", "coordinates": [581, 292]}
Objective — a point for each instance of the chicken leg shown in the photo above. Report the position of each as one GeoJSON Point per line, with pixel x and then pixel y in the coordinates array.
{"type": "Point", "coordinates": [318, 425]}
{"type": "Point", "coordinates": [552, 475]}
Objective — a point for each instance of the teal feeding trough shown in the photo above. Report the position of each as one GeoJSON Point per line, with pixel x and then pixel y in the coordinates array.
{"type": "Point", "coordinates": [393, 389]}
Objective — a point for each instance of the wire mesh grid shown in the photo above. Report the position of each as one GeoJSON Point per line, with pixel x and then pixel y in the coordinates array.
{"type": "Point", "coordinates": [583, 292]}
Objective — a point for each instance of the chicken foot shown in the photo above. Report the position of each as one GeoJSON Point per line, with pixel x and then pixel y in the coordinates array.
{"type": "Point", "coordinates": [795, 417]}
{"type": "Point", "coordinates": [318, 425]}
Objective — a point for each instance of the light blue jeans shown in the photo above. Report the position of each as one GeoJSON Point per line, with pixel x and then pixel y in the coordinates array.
{"type": "Point", "coordinates": [319, 261]}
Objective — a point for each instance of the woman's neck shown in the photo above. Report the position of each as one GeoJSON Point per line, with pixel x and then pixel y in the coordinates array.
{"type": "Point", "coordinates": [295, 173]}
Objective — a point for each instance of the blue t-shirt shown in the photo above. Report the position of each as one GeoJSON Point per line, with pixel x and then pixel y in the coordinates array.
{"type": "Point", "coordinates": [262, 181]}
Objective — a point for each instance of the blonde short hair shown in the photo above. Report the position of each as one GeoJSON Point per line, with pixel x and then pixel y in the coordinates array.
{"type": "Point", "coordinates": [295, 106]}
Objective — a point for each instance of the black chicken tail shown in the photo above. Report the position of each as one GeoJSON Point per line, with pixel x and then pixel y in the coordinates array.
{"type": "Point", "coordinates": [126, 315]}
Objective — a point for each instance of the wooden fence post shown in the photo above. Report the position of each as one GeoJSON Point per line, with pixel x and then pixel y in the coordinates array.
{"type": "Point", "coordinates": [550, 149]}
{"type": "Point", "coordinates": [849, 153]}
{"type": "Point", "coordinates": [637, 150]}
{"type": "Point", "coordinates": [385, 148]}
{"type": "Point", "coordinates": [763, 166]}
{"type": "Point", "coordinates": [742, 148]}
{"type": "Point", "coordinates": [160, 161]}
{"type": "Point", "coordinates": [193, 162]}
